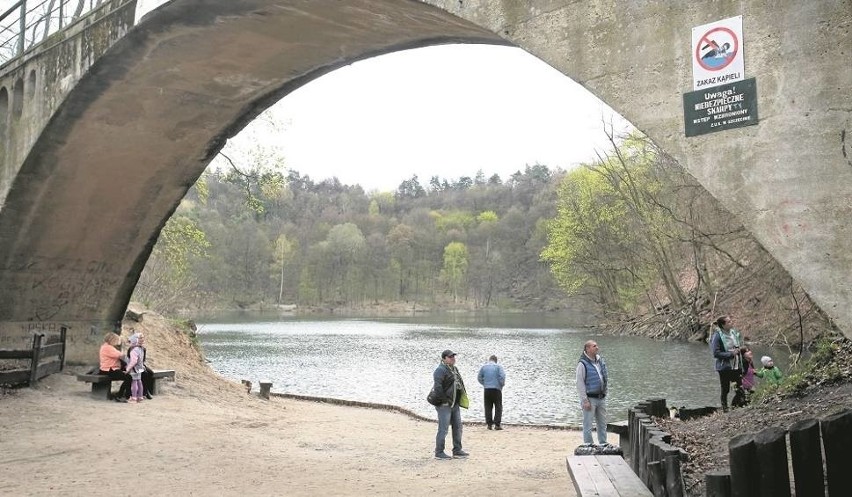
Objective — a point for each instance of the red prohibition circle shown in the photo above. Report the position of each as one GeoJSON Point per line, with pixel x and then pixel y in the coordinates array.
{"type": "Point", "coordinates": [705, 37]}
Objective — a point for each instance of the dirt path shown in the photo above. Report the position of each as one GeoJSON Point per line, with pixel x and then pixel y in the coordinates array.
{"type": "Point", "coordinates": [206, 437]}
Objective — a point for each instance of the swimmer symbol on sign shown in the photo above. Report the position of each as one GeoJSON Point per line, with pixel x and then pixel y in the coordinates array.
{"type": "Point", "coordinates": [716, 49]}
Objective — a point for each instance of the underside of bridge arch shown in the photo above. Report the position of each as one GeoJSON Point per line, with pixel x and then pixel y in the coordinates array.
{"type": "Point", "coordinates": [87, 205]}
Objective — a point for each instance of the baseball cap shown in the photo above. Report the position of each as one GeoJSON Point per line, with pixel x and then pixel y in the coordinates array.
{"type": "Point", "coordinates": [447, 353]}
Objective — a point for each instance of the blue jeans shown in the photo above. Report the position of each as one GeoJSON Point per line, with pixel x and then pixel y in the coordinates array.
{"type": "Point", "coordinates": [448, 415]}
{"type": "Point", "coordinates": [598, 413]}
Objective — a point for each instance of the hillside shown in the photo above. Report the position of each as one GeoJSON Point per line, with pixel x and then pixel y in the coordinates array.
{"type": "Point", "coordinates": [819, 388]}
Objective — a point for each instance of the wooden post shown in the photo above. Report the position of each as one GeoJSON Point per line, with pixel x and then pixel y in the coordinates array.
{"type": "Point", "coordinates": [741, 455]}
{"type": "Point", "coordinates": [640, 420]}
{"type": "Point", "coordinates": [717, 483]}
{"type": "Point", "coordinates": [836, 440]}
{"type": "Point", "coordinates": [649, 451]}
{"type": "Point", "coordinates": [624, 440]}
{"type": "Point", "coordinates": [674, 477]}
{"type": "Point", "coordinates": [657, 407]}
{"type": "Point", "coordinates": [772, 476]}
{"type": "Point", "coordinates": [36, 358]}
{"type": "Point", "coordinates": [644, 450]}
{"type": "Point", "coordinates": [63, 334]}
{"type": "Point", "coordinates": [807, 458]}
{"type": "Point", "coordinates": [265, 387]}
{"type": "Point", "coordinates": [656, 479]}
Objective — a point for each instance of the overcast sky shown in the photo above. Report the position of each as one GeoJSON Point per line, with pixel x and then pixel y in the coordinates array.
{"type": "Point", "coordinates": [445, 110]}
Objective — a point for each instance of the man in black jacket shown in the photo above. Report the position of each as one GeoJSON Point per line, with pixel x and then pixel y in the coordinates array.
{"type": "Point", "coordinates": [450, 394]}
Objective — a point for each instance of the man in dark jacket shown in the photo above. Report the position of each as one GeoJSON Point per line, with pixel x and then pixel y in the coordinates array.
{"type": "Point", "coordinates": [592, 378]}
{"type": "Point", "coordinates": [450, 394]}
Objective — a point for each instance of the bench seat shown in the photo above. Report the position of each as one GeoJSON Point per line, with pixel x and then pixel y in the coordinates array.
{"type": "Point", "coordinates": [605, 476]}
{"type": "Point", "coordinates": [102, 384]}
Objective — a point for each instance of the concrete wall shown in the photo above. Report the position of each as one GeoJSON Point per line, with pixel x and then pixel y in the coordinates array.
{"type": "Point", "coordinates": [85, 209]}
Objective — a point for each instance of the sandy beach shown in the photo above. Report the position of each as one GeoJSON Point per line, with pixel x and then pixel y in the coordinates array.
{"type": "Point", "coordinates": [204, 436]}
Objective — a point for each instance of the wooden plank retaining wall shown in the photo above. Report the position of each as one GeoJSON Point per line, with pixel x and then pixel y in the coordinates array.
{"type": "Point", "coordinates": [652, 457]}
{"type": "Point", "coordinates": [808, 459]}
{"type": "Point", "coordinates": [759, 463]}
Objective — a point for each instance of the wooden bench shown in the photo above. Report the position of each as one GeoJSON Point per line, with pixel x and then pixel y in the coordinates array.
{"type": "Point", "coordinates": [102, 384]}
{"type": "Point", "coordinates": [605, 476]}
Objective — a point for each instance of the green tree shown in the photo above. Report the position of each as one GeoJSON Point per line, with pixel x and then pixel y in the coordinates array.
{"type": "Point", "coordinates": [283, 251]}
{"type": "Point", "coordinates": [167, 280]}
{"type": "Point", "coordinates": [484, 272]}
{"type": "Point", "coordinates": [401, 240]}
{"type": "Point", "coordinates": [455, 267]}
{"type": "Point", "coordinates": [346, 246]}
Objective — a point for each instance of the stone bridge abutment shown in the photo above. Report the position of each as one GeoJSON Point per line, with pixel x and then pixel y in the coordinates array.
{"type": "Point", "coordinates": [90, 176]}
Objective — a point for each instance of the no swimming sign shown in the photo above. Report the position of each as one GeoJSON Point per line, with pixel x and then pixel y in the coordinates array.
{"type": "Point", "coordinates": [717, 53]}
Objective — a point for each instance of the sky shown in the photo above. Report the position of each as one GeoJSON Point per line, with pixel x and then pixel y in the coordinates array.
{"type": "Point", "coordinates": [446, 111]}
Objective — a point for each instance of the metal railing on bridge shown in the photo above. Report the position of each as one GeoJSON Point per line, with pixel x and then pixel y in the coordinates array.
{"type": "Point", "coordinates": [29, 23]}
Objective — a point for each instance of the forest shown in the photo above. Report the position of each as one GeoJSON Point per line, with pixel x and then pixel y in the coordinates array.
{"type": "Point", "coordinates": [629, 240]}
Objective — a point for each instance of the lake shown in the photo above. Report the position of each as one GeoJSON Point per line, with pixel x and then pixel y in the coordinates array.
{"type": "Point", "coordinates": [391, 360]}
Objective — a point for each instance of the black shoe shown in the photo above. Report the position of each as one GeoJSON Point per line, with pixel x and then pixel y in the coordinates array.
{"type": "Point", "coordinates": [490, 427]}
{"type": "Point", "coordinates": [120, 399]}
{"type": "Point", "coordinates": [460, 453]}
{"type": "Point", "coordinates": [148, 396]}
{"type": "Point", "coordinates": [442, 455]}
{"type": "Point", "coordinates": [498, 427]}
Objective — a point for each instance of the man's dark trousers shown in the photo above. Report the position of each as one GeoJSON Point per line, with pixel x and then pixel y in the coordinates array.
{"type": "Point", "coordinates": [493, 399]}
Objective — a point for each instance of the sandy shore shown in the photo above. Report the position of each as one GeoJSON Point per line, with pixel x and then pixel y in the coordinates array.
{"type": "Point", "coordinates": [216, 440]}
{"type": "Point", "coordinates": [204, 436]}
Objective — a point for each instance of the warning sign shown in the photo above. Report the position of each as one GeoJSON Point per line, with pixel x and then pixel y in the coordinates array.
{"type": "Point", "coordinates": [720, 108]}
{"type": "Point", "coordinates": [717, 53]}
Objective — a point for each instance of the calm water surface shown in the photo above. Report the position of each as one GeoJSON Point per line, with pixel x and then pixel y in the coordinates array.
{"type": "Point", "coordinates": [390, 361]}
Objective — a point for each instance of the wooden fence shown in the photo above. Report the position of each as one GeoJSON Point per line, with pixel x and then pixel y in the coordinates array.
{"type": "Point", "coordinates": [652, 457]}
{"type": "Point", "coordinates": [759, 465]}
{"type": "Point", "coordinates": [44, 359]}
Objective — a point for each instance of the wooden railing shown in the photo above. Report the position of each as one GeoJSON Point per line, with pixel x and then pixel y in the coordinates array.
{"type": "Point", "coordinates": [44, 359]}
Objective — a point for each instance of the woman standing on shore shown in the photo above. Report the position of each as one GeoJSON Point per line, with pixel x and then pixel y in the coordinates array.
{"type": "Point", "coordinates": [725, 344]}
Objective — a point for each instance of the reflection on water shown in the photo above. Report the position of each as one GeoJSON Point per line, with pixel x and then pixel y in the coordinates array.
{"type": "Point", "coordinates": [391, 362]}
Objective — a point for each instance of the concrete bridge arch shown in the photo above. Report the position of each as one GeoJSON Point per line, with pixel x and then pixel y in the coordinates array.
{"type": "Point", "coordinates": [102, 153]}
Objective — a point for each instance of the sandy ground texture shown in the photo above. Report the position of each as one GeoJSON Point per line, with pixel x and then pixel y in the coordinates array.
{"type": "Point", "coordinates": [205, 436]}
